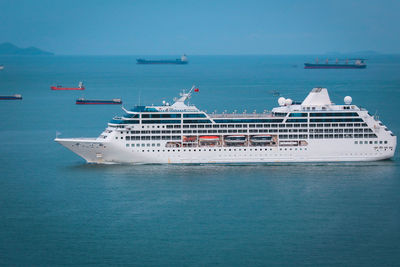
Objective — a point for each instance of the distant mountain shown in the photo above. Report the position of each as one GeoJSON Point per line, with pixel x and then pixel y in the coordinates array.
{"type": "Point", "coordinates": [10, 49]}
{"type": "Point", "coordinates": [356, 53]}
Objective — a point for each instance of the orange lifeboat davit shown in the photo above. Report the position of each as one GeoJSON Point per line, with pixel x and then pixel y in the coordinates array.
{"type": "Point", "coordinates": [209, 137]}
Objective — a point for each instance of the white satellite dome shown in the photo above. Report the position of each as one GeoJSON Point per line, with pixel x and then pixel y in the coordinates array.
{"type": "Point", "coordinates": [347, 100]}
{"type": "Point", "coordinates": [288, 102]}
{"type": "Point", "coordinates": [281, 101]}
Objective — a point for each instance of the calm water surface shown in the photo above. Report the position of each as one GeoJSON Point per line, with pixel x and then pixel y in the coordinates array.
{"type": "Point", "coordinates": [57, 210]}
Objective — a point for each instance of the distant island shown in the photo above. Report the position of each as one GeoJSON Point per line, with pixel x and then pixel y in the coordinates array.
{"type": "Point", "coordinates": [355, 53]}
{"type": "Point", "coordinates": [10, 49]}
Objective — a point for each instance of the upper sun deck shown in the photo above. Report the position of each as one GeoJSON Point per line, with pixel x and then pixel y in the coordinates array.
{"type": "Point", "coordinates": [317, 101]}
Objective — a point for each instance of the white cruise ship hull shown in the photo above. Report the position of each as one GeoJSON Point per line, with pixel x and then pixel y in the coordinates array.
{"type": "Point", "coordinates": [98, 151]}
{"type": "Point", "coordinates": [316, 130]}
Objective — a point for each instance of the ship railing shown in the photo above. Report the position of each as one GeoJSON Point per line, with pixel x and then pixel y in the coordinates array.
{"type": "Point", "coordinates": [241, 115]}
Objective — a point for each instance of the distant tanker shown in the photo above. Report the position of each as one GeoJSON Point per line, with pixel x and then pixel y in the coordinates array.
{"type": "Point", "coordinates": [357, 63]}
{"type": "Point", "coordinates": [182, 60]}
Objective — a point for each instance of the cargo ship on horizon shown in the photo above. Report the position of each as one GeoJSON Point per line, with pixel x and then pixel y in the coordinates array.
{"type": "Point", "coordinates": [60, 88]}
{"type": "Point", "coordinates": [179, 61]}
{"type": "Point", "coordinates": [357, 63]}
{"type": "Point", "coordinates": [83, 101]}
{"type": "Point", "coordinates": [11, 97]}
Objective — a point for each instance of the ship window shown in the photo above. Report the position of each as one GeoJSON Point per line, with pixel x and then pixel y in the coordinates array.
{"type": "Point", "coordinates": [196, 121]}
{"type": "Point", "coordinates": [298, 115]}
{"type": "Point", "coordinates": [194, 115]}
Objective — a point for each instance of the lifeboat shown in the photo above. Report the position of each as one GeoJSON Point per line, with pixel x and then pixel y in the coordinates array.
{"type": "Point", "coordinates": [261, 138]}
{"type": "Point", "coordinates": [209, 138]}
{"type": "Point", "coordinates": [60, 88]}
{"type": "Point", "coordinates": [235, 139]}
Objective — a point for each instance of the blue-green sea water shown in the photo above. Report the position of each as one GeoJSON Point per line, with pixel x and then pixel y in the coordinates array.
{"type": "Point", "coordinates": [57, 210]}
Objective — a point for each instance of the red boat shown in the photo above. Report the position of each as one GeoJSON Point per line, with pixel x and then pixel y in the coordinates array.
{"type": "Point", "coordinates": [59, 87]}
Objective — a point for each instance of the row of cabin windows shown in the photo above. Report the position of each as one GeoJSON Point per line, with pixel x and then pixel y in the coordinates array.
{"type": "Point", "coordinates": [321, 114]}
{"type": "Point", "coordinates": [370, 142]}
{"type": "Point", "coordinates": [328, 136]}
{"type": "Point", "coordinates": [301, 130]}
{"type": "Point", "coordinates": [132, 138]}
{"type": "Point", "coordinates": [286, 125]}
{"type": "Point", "coordinates": [283, 125]}
{"type": "Point", "coordinates": [158, 115]}
{"type": "Point", "coordinates": [215, 149]}
{"type": "Point", "coordinates": [361, 130]}
{"type": "Point", "coordinates": [148, 144]}
{"type": "Point", "coordinates": [281, 136]}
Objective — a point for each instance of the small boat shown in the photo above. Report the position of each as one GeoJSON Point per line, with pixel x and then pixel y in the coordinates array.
{"type": "Point", "coordinates": [182, 60]}
{"type": "Point", "coordinates": [1, 67]}
{"type": "Point", "coordinates": [235, 139]}
{"type": "Point", "coordinates": [11, 97]}
{"type": "Point", "coordinates": [261, 138]}
{"type": "Point", "coordinates": [275, 93]}
{"type": "Point", "coordinates": [82, 101]}
{"type": "Point", "coordinates": [60, 88]}
{"type": "Point", "coordinates": [209, 138]}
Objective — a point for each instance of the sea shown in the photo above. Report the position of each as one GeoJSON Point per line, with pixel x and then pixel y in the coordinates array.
{"type": "Point", "coordinates": [57, 210]}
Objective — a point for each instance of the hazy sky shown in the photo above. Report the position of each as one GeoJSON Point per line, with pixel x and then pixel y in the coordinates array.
{"type": "Point", "coordinates": [201, 26]}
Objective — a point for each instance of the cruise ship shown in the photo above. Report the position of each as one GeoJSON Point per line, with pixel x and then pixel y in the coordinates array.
{"type": "Point", "coordinates": [314, 130]}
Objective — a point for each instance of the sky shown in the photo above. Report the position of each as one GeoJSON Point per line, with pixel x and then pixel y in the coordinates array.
{"type": "Point", "coordinates": [201, 27]}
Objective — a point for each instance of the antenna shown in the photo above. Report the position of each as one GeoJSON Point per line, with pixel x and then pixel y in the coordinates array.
{"type": "Point", "coordinates": [140, 96]}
